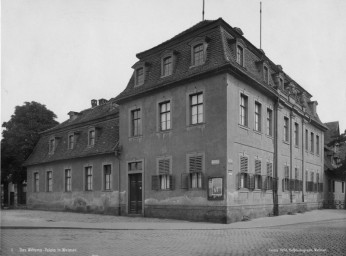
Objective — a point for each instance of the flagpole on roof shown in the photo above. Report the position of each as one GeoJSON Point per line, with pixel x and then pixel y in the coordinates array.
{"type": "Point", "coordinates": [260, 25]}
{"type": "Point", "coordinates": [203, 11]}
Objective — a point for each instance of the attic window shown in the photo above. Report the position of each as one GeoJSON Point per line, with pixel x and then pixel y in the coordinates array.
{"type": "Point", "coordinates": [240, 55]}
{"type": "Point", "coordinates": [199, 51]}
{"type": "Point", "coordinates": [168, 59]}
{"type": "Point", "coordinates": [91, 137]}
{"type": "Point", "coordinates": [71, 141]}
{"type": "Point", "coordinates": [266, 74]}
{"type": "Point", "coordinates": [139, 74]}
{"type": "Point", "coordinates": [51, 145]}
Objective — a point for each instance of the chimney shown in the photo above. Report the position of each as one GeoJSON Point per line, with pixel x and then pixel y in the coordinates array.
{"type": "Point", "coordinates": [73, 115]}
{"type": "Point", "coordinates": [102, 101]}
{"type": "Point", "coordinates": [93, 103]}
{"type": "Point", "coordinates": [313, 105]}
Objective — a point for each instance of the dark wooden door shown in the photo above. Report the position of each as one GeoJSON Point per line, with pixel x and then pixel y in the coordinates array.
{"type": "Point", "coordinates": [135, 197]}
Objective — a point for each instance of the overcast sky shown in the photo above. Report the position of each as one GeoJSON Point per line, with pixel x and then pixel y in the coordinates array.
{"type": "Point", "coordinates": [63, 53]}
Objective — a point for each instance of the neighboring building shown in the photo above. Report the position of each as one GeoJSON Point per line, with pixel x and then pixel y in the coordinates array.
{"type": "Point", "coordinates": [334, 154]}
{"type": "Point", "coordinates": [74, 165]}
{"type": "Point", "coordinates": [211, 129]}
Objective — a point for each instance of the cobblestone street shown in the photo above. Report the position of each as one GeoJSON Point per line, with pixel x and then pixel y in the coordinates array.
{"type": "Point", "coordinates": [315, 238]}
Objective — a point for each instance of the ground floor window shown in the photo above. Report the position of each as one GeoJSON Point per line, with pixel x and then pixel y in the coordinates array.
{"type": "Point", "coordinates": [107, 172]}
{"type": "Point", "coordinates": [49, 181]}
{"type": "Point", "coordinates": [68, 179]}
{"type": "Point", "coordinates": [88, 178]}
{"type": "Point", "coordinates": [36, 182]}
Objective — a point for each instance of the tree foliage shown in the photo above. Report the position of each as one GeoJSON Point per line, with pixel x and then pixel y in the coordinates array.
{"type": "Point", "coordinates": [20, 135]}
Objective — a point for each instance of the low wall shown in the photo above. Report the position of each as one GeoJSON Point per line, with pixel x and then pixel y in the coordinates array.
{"type": "Point", "coordinates": [88, 202]}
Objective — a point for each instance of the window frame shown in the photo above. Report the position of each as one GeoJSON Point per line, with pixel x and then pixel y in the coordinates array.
{"type": "Point", "coordinates": [36, 180]}
{"type": "Point", "coordinates": [296, 134]}
{"type": "Point", "coordinates": [195, 178]}
{"type": "Point", "coordinates": [203, 41]}
{"type": "Point", "coordinates": [51, 145]}
{"type": "Point", "coordinates": [136, 132]}
{"type": "Point", "coordinates": [286, 129]}
{"type": "Point", "coordinates": [166, 113]}
{"type": "Point", "coordinates": [91, 139]}
{"type": "Point", "coordinates": [71, 143]}
{"type": "Point", "coordinates": [240, 54]}
{"type": "Point", "coordinates": [269, 122]}
{"type": "Point", "coordinates": [104, 177]}
{"type": "Point", "coordinates": [139, 77]}
{"type": "Point", "coordinates": [49, 181]}
{"type": "Point", "coordinates": [317, 144]}
{"type": "Point", "coordinates": [266, 74]}
{"type": "Point", "coordinates": [312, 148]}
{"type": "Point", "coordinates": [68, 180]}
{"type": "Point", "coordinates": [197, 105]}
{"type": "Point", "coordinates": [88, 186]}
{"type": "Point", "coordinates": [258, 116]}
{"type": "Point", "coordinates": [244, 110]}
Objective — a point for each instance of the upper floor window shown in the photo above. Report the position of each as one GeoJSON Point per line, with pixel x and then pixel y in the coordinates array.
{"type": "Point", "coordinates": [281, 83]}
{"type": "Point", "coordinates": [296, 134]}
{"type": "Point", "coordinates": [317, 144]}
{"type": "Point", "coordinates": [136, 122]}
{"type": "Point", "coordinates": [88, 178]}
{"type": "Point", "coordinates": [49, 181]}
{"type": "Point", "coordinates": [266, 74]}
{"type": "Point", "coordinates": [269, 122]}
{"type": "Point", "coordinates": [139, 76]}
{"type": "Point", "coordinates": [165, 115]}
{"type": "Point", "coordinates": [243, 110]}
{"type": "Point", "coordinates": [36, 182]}
{"type": "Point", "coordinates": [167, 66]}
{"type": "Point", "coordinates": [312, 142]}
{"type": "Point", "coordinates": [71, 139]}
{"type": "Point", "coordinates": [258, 115]}
{"type": "Point", "coordinates": [306, 140]}
{"type": "Point", "coordinates": [286, 129]}
{"type": "Point", "coordinates": [51, 145]}
{"type": "Point", "coordinates": [196, 108]}
{"type": "Point", "coordinates": [240, 55]}
{"type": "Point", "coordinates": [91, 137]}
{"type": "Point", "coordinates": [107, 174]}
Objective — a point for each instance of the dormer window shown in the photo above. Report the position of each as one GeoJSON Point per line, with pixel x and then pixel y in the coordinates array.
{"type": "Point", "coordinates": [51, 145]}
{"type": "Point", "coordinates": [199, 51]}
{"type": "Point", "coordinates": [91, 137]}
{"type": "Point", "coordinates": [266, 74]}
{"type": "Point", "coordinates": [240, 55]}
{"type": "Point", "coordinates": [71, 141]}
{"type": "Point", "coordinates": [167, 66]}
{"type": "Point", "coordinates": [139, 76]}
{"type": "Point", "coordinates": [198, 55]}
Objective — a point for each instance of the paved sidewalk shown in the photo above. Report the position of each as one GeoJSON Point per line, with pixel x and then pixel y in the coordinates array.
{"type": "Point", "coordinates": [30, 219]}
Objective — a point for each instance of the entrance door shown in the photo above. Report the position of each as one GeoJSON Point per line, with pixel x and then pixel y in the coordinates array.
{"type": "Point", "coordinates": [135, 190]}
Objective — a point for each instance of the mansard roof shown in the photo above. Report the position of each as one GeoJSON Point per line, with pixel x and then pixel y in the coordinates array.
{"type": "Point", "coordinates": [221, 57]}
{"type": "Point", "coordinates": [103, 118]}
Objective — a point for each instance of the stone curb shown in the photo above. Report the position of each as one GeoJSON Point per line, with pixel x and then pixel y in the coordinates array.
{"type": "Point", "coordinates": [139, 229]}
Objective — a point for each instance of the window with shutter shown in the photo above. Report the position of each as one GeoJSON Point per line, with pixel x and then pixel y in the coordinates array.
{"type": "Point", "coordinates": [196, 171]}
{"type": "Point", "coordinates": [243, 164]}
{"type": "Point", "coordinates": [258, 165]}
{"type": "Point", "coordinates": [164, 177]}
{"type": "Point", "coordinates": [270, 169]}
